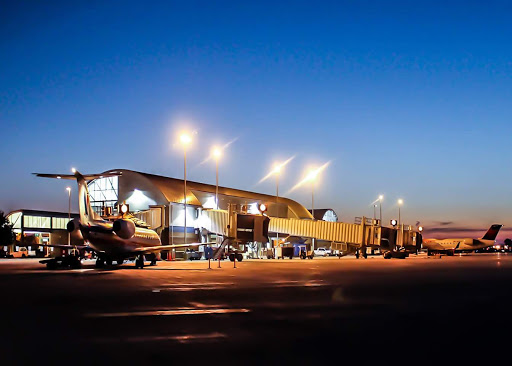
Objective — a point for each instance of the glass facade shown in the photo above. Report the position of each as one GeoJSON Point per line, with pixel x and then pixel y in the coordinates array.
{"type": "Point", "coordinates": [59, 222]}
{"type": "Point", "coordinates": [15, 220]}
{"type": "Point", "coordinates": [40, 222]}
{"type": "Point", "coordinates": [103, 193]}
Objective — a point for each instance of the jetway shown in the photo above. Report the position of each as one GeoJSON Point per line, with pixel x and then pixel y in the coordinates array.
{"type": "Point", "coordinates": [342, 236]}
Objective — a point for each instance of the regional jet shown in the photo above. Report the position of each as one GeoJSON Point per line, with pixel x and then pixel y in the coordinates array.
{"type": "Point", "coordinates": [450, 246]}
{"type": "Point", "coordinates": [112, 241]}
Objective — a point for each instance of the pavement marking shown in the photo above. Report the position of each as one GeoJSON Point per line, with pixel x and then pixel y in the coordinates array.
{"type": "Point", "coordinates": [179, 311]}
{"type": "Point", "coordinates": [179, 338]}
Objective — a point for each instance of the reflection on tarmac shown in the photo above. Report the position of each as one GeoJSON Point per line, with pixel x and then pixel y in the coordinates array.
{"type": "Point", "coordinates": [261, 310]}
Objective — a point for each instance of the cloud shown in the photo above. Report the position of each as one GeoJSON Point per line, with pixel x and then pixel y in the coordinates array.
{"type": "Point", "coordinates": [445, 223]}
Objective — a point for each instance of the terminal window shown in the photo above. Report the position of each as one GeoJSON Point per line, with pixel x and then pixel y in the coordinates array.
{"type": "Point", "coordinates": [103, 193]}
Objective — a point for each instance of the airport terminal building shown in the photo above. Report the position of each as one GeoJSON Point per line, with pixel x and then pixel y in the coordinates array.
{"type": "Point", "coordinates": [159, 201]}
{"type": "Point", "coordinates": [34, 227]}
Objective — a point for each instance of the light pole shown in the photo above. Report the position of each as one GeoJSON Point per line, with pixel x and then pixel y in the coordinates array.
{"type": "Point", "coordinates": [381, 197]}
{"type": "Point", "coordinates": [69, 212]}
{"type": "Point", "coordinates": [277, 172]}
{"type": "Point", "coordinates": [185, 140]}
{"type": "Point", "coordinates": [312, 178]}
{"type": "Point", "coordinates": [217, 153]}
{"type": "Point", "coordinates": [374, 215]}
{"type": "Point", "coordinates": [400, 203]}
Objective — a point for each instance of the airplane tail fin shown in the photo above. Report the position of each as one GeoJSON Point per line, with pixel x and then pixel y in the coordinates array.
{"type": "Point", "coordinates": [492, 233]}
{"type": "Point", "coordinates": [86, 212]}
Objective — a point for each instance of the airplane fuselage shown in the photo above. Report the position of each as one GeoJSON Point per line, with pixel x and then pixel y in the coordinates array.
{"type": "Point", "coordinates": [460, 244]}
{"type": "Point", "coordinates": [101, 238]}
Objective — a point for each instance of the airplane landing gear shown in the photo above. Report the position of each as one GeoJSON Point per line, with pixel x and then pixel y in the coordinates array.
{"type": "Point", "coordinates": [139, 262]}
{"type": "Point", "coordinates": [99, 262]}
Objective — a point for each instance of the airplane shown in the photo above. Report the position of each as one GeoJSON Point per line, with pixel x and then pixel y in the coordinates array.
{"type": "Point", "coordinates": [112, 241]}
{"type": "Point", "coordinates": [450, 246]}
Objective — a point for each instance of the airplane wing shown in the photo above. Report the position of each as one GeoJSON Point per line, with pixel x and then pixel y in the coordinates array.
{"type": "Point", "coordinates": [158, 248]}
{"type": "Point", "coordinates": [63, 246]}
{"type": "Point", "coordinates": [432, 245]}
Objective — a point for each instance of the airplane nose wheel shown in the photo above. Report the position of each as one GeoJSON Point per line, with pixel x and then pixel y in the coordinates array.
{"type": "Point", "coordinates": [139, 262]}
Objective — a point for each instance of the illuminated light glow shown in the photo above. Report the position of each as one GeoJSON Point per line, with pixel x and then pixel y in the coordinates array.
{"type": "Point", "coordinates": [73, 170]}
{"type": "Point", "coordinates": [278, 167]}
{"type": "Point", "coordinates": [68, 189]}
{"type": "Point", "coordinates": [381, 197]}
{"type": "Point", "coordinates": [210, 203]}
{"type": "Point", "coordinates": [393, 222]}
{"type": "Point", "coordinates": [262, 207]}
{"type": "Point", "coordinates": [59, 177]}
{"type": "Point", "coordinates": [216, 153]}
{"type": "Point", "coordinates": [253, 209]}
{"type": "Point", "coordinates": [400, 201]}
{"type": "Point", "coordinates": [124, 208]}
{"type": "Point", "coordinates": [224, 147]}
{"type": "Point", "coordinates": [185, 139]}
{"type": "Point", "coordinates": [139, 201]}
{"type": "Point", "coordinates": [420, 228]}
{"type": "Point", "coordinates": [311, 176]}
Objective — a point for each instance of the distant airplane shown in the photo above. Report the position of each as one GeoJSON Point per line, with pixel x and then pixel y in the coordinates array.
{"type": "Point", "coordinates": [112, 241]}
{"type": "Point", "coordinates": [450, 246]}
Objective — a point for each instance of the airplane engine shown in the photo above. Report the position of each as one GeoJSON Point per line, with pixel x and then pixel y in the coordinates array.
{"type": "Point", "coordinates": [73, 225]}
{"type": "Point", "coordinates": [124, 228]}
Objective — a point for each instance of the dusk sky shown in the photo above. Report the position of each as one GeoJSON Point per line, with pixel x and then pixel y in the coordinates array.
{"type": "Point", "coordinates": [408, 99]}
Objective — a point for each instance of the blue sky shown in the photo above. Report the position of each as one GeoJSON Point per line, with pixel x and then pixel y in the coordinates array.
{"type": "Point", "coordinates": [406, 99]}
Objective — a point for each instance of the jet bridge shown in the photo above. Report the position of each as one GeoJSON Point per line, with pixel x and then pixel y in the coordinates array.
{"type": "Point", "coordinates": [344, 237]}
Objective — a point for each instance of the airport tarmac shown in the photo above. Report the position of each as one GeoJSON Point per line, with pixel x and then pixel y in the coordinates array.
{"type": "Point", "coordinates": [272, 311]}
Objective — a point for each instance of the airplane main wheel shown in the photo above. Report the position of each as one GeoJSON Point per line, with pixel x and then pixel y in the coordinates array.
{"type": "Point", "coordinates": [119, 262]}
{"type": "Point", "coordinates": [139, 262]}
{"type": "Point", "coordinates": [99, 263]}
{"type": "Point", "coordinates": [76, 264]}
{"type": "Point", "coordinates": [239, 257]}
{"type": "Point", "coordinates": [232, 257]}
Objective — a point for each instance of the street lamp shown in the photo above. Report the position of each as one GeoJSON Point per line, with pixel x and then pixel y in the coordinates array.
{"type": "Point", "coordinates": [381, 197]}
{"type": "Point", "coordinates": [277, 172]}
{"type": "Point", "coordinates": [312, 175]}
{"type": "Point", "coordinates": [69, 212]}
{"type": "Point", "coordinates": [217, 153]}
{"type": "Point", "coordinates": [400, 203]}
{"type": "Point", "coordinates": [185, 141]}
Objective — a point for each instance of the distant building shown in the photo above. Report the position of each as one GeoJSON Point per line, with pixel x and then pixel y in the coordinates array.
{"type": "Point", "coordinates": [33, 227]}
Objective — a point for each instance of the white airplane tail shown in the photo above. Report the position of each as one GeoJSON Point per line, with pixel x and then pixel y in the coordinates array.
{"type": "Point", "coordinates": [87, 214]}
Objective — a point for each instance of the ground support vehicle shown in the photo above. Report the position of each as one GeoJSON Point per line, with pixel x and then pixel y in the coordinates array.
{"type": "Point", "coordinates": [284, 251]}
{"type": "Point", "coordinates": [68, 261]}
{"type": "Point", "coordinates": [322, 252]}
{"type": "Point", "coordinates": [191, 254]}
{"type": "Point", "coordinates": [269, 253]}
{"type": "Point", "coordinates": [22, 253]}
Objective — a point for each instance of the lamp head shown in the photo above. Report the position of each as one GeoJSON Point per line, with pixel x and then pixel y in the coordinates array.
{"type": "Point", "coordinates": [185, 139]}
{"type": "Point", "coordinates": [216, 153]}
